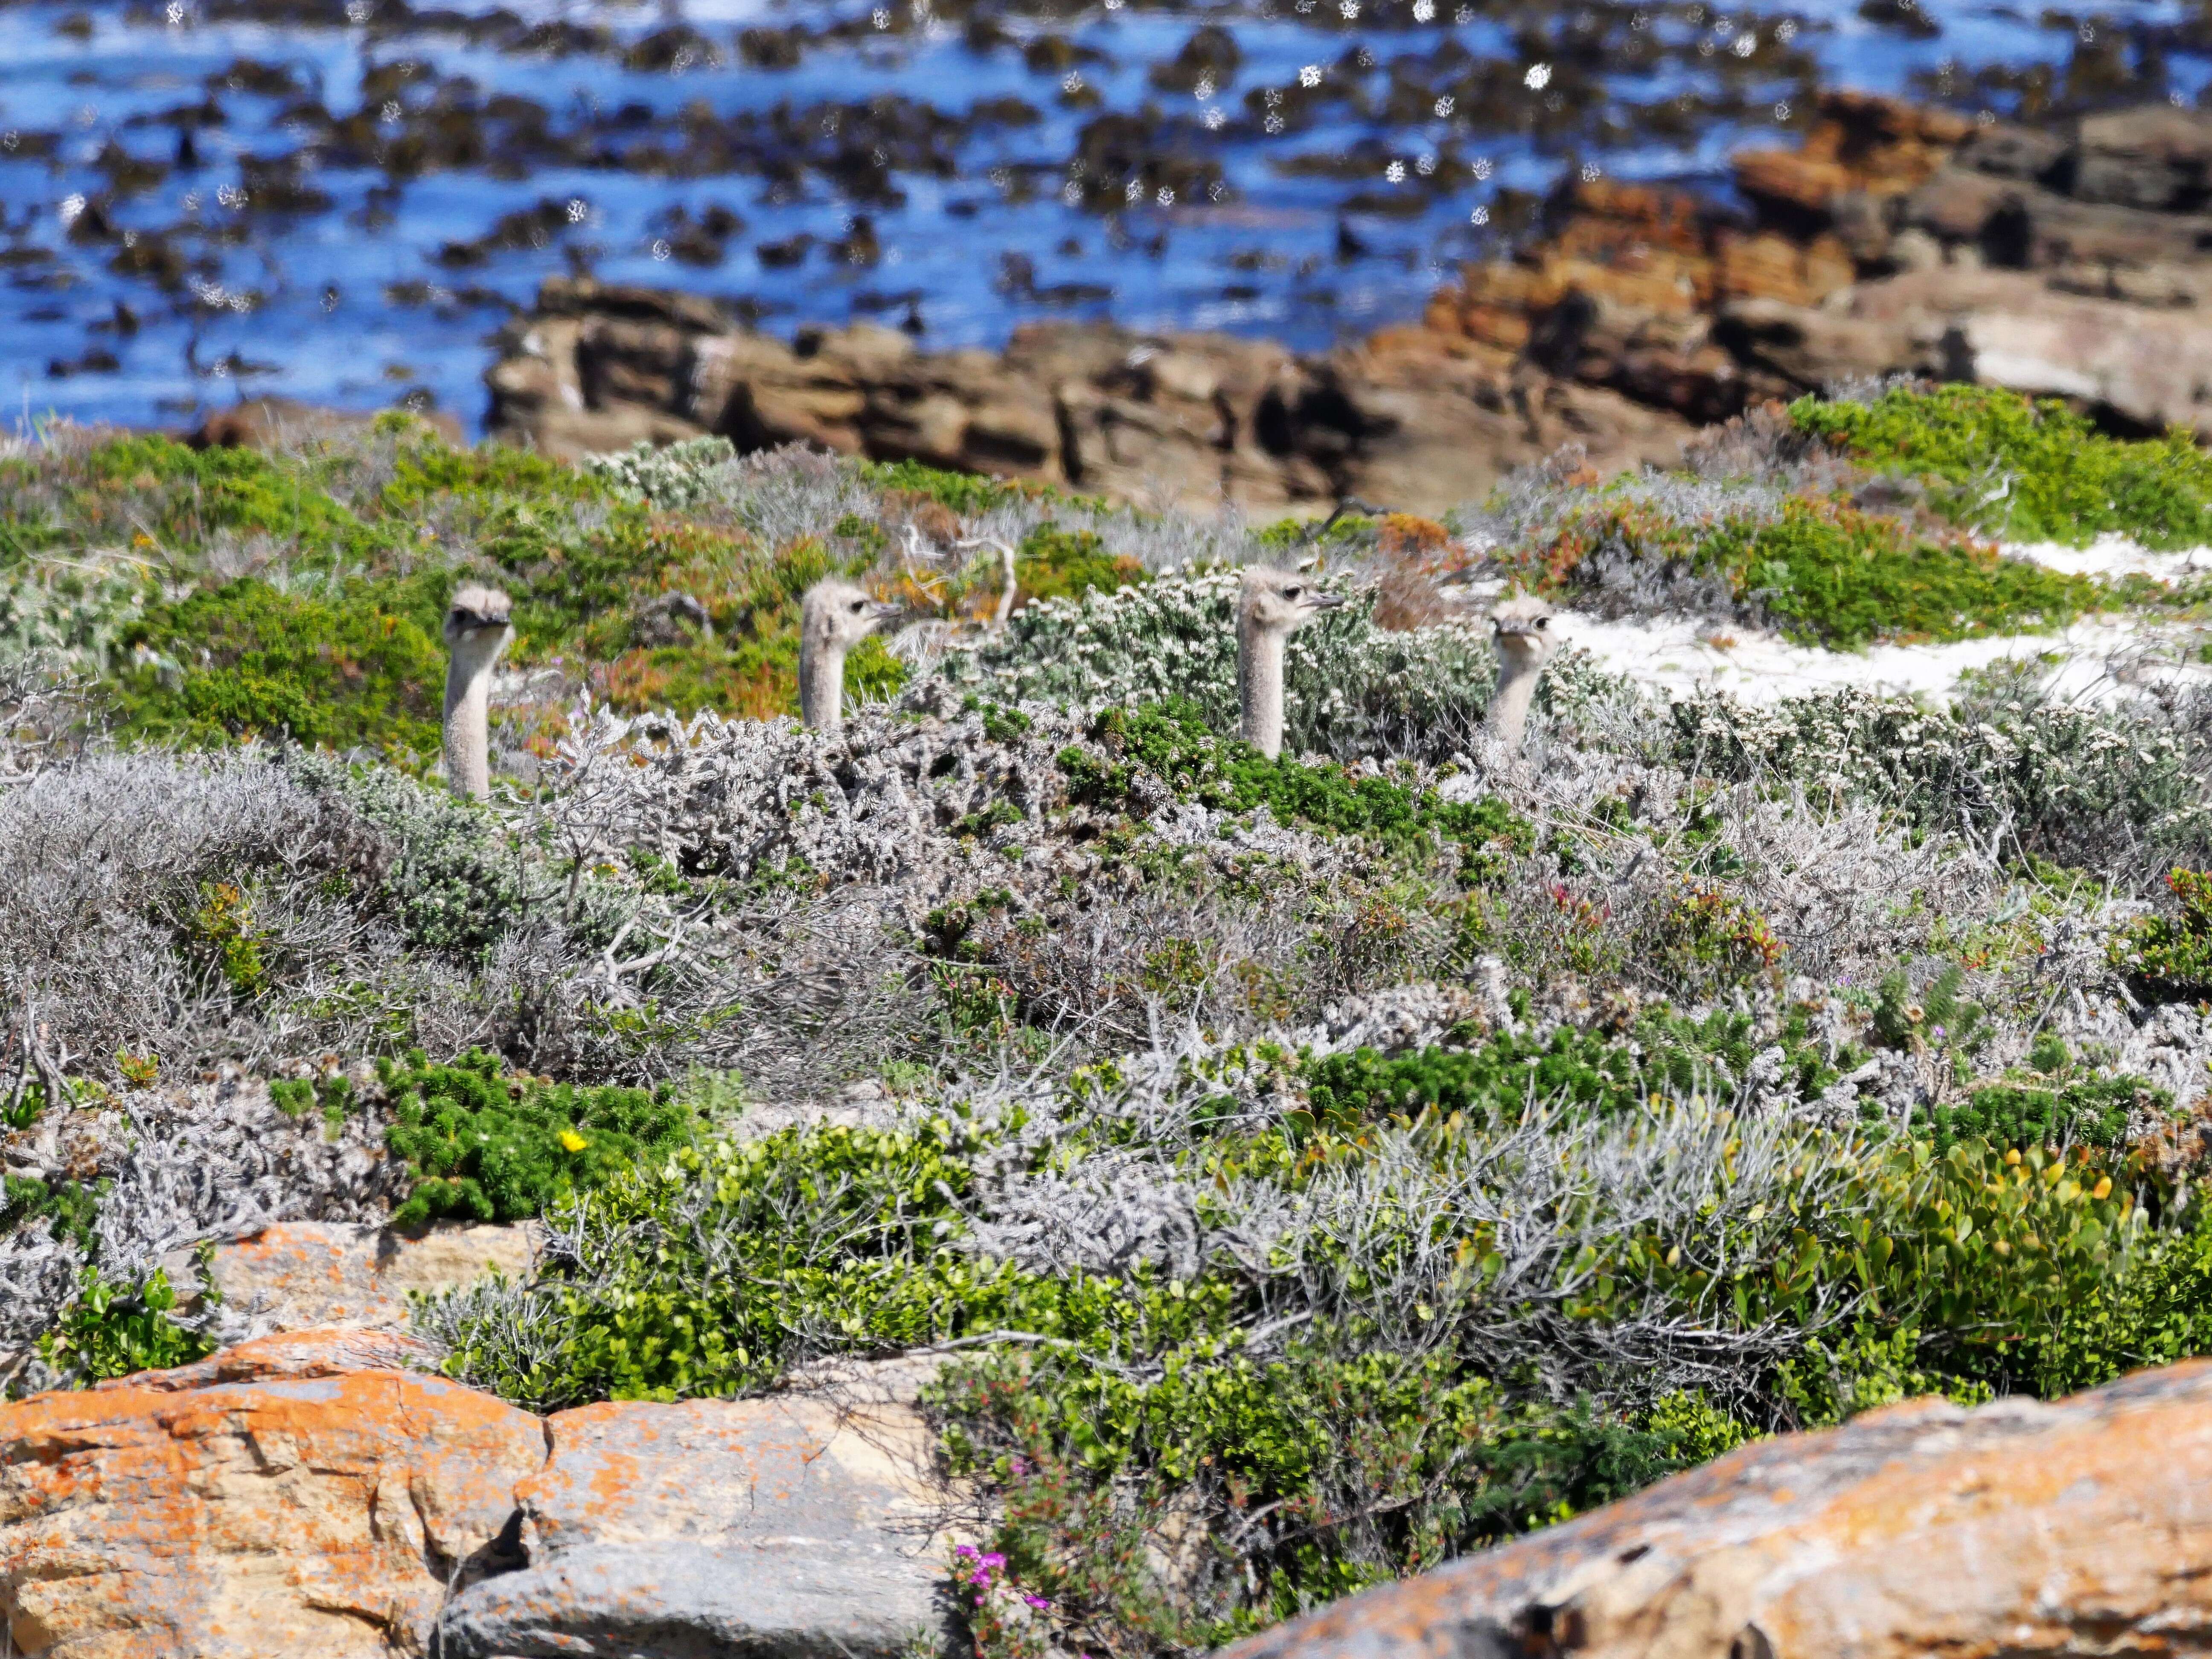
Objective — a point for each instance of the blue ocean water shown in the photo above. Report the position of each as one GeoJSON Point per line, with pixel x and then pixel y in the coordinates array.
{"type": "Point", "coordinates": [341, 200]}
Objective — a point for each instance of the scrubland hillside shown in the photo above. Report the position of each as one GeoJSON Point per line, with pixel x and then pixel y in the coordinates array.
{"type": "Point", "coordinates": [1307, 1170]}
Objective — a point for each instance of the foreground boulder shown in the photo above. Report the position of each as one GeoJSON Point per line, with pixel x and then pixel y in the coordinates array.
{"type": "Point", "coordinates": [783, 1525]}
{"type": "Point", "coordinates": [320, 1493]}
{"type": "Point", "coordinates": [2083, 1528]}
{"type": "Point", "coordinates": [298, 1495]}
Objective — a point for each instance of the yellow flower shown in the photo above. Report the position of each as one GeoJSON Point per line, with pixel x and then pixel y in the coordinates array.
{"type": "Point", "coordinates": [573, 1141]}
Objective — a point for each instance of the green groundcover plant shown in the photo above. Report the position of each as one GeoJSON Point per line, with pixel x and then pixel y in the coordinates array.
{"type": "Point", "coordinates": [2030, 470]}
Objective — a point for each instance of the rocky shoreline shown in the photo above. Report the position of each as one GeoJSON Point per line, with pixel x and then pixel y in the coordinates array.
{"type": "Point", "coordinates": [1896, 241]}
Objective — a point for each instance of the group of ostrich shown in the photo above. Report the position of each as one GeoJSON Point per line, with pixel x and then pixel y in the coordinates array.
{"type": "Point", "coordinates": [835, 617]}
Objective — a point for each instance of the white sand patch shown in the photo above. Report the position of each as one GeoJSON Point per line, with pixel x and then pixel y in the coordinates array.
{"type": "Point", "coordinates": [2098, 660]}
{"type": "Point", "coordinates": [2113, 556]}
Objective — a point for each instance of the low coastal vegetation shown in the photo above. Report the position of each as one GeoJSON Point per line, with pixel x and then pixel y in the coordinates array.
{"type": "Point", "coordinates": [1302, 1170]}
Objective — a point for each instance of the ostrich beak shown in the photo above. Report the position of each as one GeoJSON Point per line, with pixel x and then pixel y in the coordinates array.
{"type": "Point", "coordinates": [1327, 601]}
{"type": "Point", "coordinates": [885, 612]}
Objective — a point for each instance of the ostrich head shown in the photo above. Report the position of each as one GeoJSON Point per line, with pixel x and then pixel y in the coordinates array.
{"type": "Point", "coordinates": [1271, 605]}
{"type": "Point", "coordinates": [1280, 602]}
{"type": "Point", "coordinates": [477, 627]}
{"type": "Point", "coordinates": [1521, 630]}
{"type": "Point", "coordinates": [478, 621]}
{"type": "Point", "coordinates": [837, 615]}
{"type": "Point", "coordinates": [834, 617]}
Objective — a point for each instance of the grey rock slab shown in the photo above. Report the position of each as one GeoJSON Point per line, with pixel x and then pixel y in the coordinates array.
{"type": "Point", "coordinates": [797, 1525]}
{"type": "Point", "coordinates": [2079, 1528]}
{"type": "Point", "coordinates": [690, 1601]}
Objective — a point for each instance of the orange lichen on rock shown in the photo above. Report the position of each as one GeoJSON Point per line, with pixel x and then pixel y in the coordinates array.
{"type": "Point", "coordinates": [2083, 1527]}
{"type": "Point", "coordinates": [1861, 141]}
{"type": "Point", "coordinates": [302, 1495]}
{"type": "Point", "coordinates": [1768, 266]}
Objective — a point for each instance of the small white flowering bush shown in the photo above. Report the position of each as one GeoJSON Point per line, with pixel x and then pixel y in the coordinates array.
{"type": "Point", "coordinates": [1351, 688]}
{"type": "Point", "coordinates": [678, 475]}
{"type": "Point", "coordinates": [2120, 790]}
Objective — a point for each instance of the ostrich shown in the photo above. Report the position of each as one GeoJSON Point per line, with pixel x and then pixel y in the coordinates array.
{"type": "Point", "coordinates": [1272, 606]}
{"type": "Point", "coordinates": [1521, 630]}
{"type": "Point", "coordinates": [476, 630]}
{"type": "Point", "coordinates": [833, 618]}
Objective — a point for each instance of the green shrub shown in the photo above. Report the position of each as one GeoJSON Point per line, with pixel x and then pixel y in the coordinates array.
{"type": "Point", "coordinates": [194, 493]}
{"type": "Point", "coordinates": [68, 1207]}
{"type": "Point", "coordinates": [224, 927]}
{"type": "Point", "coordinates": [2158, 1310]}
{"type": "Point", "coordinates": [109, 1331]}
{"type": "Point", "coordinates": [1491, 1082]}
{"type": "Point", "coordinates": [2089, 1111]}
{"type": "Point", "coordinates": [487, 1149]}
{"type": "Point", "coordinates": [1286, 535]}
{"type": "Point", "coordinates": [2033, 471]}
{"type": "Point", "coordinates": [1841, 579]}
{"type": "Point", "coordinates": [1332, 1469]}
{"type": "Point", "coordinates": [2171, 956]}
{"type": "Point", "coordinates": [1708, 931]}
{"type": "Point", "coordinates": [1828, 575]}
{"type": "Point", "coordinates": [719, 1269]}
{"type": "Point", "coordinates": [1053, 562]}
{"type": "Point", "coordinates": [965, 493]}
{"type": "Point", "coordinates": [247, 660]}
{"type": "Point", "coordinates": [1171, 741]}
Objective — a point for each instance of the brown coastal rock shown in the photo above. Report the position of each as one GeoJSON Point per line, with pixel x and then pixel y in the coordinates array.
{"type": "Point", "coordinates": [321, 1493]}
{"type": "Point", "coordinates": [1895, 240]}
{"type": "Point", "coordinates": [301, 1495]}
{"type": "Point", "coordinates": [1187, 420]}
{"type": "Point", "coordinates": [2077, 1529]}
{"type": "Point", "coordinates": [789, 1524]}
{"type": "Point", "coordinates": [321, 1275]}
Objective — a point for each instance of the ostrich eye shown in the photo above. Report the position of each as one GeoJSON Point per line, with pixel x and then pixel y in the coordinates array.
{"type": "Point", "coordinates": [1543, 622]}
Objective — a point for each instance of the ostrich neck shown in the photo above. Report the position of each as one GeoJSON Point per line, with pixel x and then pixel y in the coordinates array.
{"type": "Point", "coordinates": [1260, 686]}
{"type": "Point", "coordinates": [1509, 708]}
{"type": "Point", "coordinates": [822, 688]}
{"type": "Point", "coordinates": [468, 708]}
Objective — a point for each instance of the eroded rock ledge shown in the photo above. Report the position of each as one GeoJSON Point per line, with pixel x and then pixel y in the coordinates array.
{"type": "Point", "coordinates": [1183, 420]}
{"type": "Point", "coordinates": [2077, 264]}
{"type": "Point", "coordinates": [1897, 240]}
